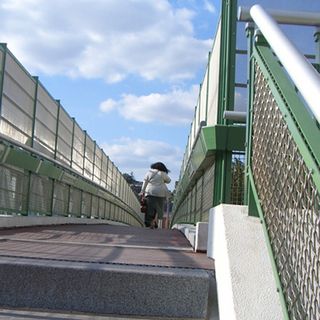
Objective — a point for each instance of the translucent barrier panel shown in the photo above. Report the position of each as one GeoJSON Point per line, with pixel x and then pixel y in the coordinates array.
{"type": "Point", "coordinates": [40, 194]}
{"type": "Point", "coordinates": [86, 204]}
{"type": "Point", "coordinates": [109, 177]}
{"type": "Point", "coordinates": [21, 76]}
{"type": "Point", "coordinates": [203, 98]}
{"type": "Point", "coordinates": [17, 102]}
{"type": "Point", "coordinates": [214, 71]}
{"type": "Point", "coordinates": [75, 202]}
{"type": "Point", "coordinates": [114, 180]}
{"type": "Point", "coordinates": [45, 123]}
{"type": "Point", "coordinates": [78, 148]}
{"type": "Point", "coordinates": [104, 170]}
{"type": "Point", "coordinates": [118, 180]}
{"type": "Point", "coordinates": [14, 186]}
{"type": "Point", "coordinates": [95, 207]}
{"type": "Point", "coordinates": [97, 165]}
{"type": "Point", "coordinates": [191, 136]}
{"type": "Point", "coordinates": [60, 199]}
{"type": "Point", "coordinates": [64, 142]}
{"type": "Point", "coordinates": [107, 210]}
{"type": "Point", "coordinates": [120, 185]}
{"type": "Point", "coordinates": [89, 157]}
{"type": "Point", "coordinates": [196, 120]}
{"type": "Point", "coordinates": [101, 212]}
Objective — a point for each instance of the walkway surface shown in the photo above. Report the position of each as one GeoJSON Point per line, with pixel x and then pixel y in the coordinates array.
{"type": "Point", "coordinates": [101, 272]}
{"type": "Point", "coordinates": [104, 244]}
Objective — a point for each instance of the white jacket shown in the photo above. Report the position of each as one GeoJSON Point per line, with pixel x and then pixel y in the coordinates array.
{"type": "Point", "coordinates": [154, 183]}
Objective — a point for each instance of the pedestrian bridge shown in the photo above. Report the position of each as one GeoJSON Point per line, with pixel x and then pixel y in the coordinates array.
{"type": "Point", "coordinates": [248, 194]}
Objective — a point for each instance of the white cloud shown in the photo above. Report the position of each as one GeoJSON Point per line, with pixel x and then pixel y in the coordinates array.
{"type": "Point", "coordinates": [103, 39]}
{"type": "Point", "coordinates": [136, 155]}
{"type": "Point", "coordinates": [175, 107]}
{"type": "Point", "coordinates": [107, 105]}
{"type": "Point", "coordinates": [209, 6]}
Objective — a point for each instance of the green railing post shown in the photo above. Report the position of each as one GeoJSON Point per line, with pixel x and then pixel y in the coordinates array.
{"type": "Point", "coordinates": [223, 160]}
{"type": "Point", "coordinates": [249, 196]}
{"type": "Point", "coordinates": [94, 159]}
{"type": "Point", "coordinates": [57, 130]}
{"type": "Point", "coordinates": [52, 198]}
{"type": "Point", "coordinates": [72, 141]}
{"type": "Point", "coordinates": [36, 79]}
{"type": "Point", "coordinates": [84, 151]}
{"type": "Point", "coordinates": [3, 48]}
{"type": "Point", "coordinates": [208, 84]}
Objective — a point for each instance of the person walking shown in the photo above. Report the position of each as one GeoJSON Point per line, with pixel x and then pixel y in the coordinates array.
{"type": "Point", "coordinates": [154, 188]}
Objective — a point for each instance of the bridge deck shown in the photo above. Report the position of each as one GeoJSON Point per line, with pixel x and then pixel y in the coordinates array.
{"type": "Point", "coordinates": [104, 244]}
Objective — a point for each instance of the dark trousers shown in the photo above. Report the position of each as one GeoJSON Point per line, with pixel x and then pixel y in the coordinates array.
{"type": "Point", "coordinates": [154, 206]}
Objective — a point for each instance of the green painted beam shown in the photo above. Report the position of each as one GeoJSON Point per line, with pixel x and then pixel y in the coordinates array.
{"type": "Point", "coordinates": [211, 141]}
{"type": "Point", "coordinates": [24, 159]}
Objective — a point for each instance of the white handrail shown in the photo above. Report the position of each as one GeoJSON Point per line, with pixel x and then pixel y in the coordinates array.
{"type": "Point", "coordinates": [303, 74]}
{"type": "Point", "coordinates": [303, 18]}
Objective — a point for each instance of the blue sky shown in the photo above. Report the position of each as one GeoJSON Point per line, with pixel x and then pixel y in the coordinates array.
{"type": "Point", "coordinates": [127, 70]}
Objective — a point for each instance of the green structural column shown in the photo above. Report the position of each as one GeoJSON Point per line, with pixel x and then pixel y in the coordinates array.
{"type": "Point", "coordinates": [223, 160]}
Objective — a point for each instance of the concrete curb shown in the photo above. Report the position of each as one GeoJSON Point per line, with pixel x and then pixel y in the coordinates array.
{"type": "Point", "coordinates": [104, 288]}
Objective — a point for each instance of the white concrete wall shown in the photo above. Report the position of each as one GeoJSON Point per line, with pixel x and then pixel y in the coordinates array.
{"type": "Point", "coordinates": [245, 282]}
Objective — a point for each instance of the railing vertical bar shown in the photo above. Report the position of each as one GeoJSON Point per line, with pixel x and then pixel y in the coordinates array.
{"type": "Point", "coordinates": [3, 70]}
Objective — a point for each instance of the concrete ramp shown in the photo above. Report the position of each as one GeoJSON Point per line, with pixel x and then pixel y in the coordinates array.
{"type": "Point", "coordinates": [62, 273]}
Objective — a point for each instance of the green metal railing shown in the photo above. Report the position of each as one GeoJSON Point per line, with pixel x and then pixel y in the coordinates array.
{"type": "Point", "coordinates": [48, 164]}
{"type": "Point", "coordinates": [281, 164]}
{"type": "Point", "coordinates": [212, 171]}
{"type": "Point", "coordinates": [284, 180]}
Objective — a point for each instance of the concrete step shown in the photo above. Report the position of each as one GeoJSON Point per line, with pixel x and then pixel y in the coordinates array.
{"type": "Point", "coordinates": [106, 289]}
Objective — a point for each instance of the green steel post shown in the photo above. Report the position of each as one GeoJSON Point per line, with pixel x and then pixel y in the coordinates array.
{"type": "Point", "coordinates": [317, 41]}
{"type": "Point", "coordinates": [202, 189]}
{"type": "Point", "coordinates": [68, 199]}
{"type": "Point", "coordinates": [3, 48]}
{"type": "Point", "coordinates": [57, 130]}
{"type": "Point", "coordinates": [28, 193]}
{"type": "Point", "coordinates": [249, 34]}
{"type": "Point", "coordinates": [94, 159]}
{"type": "Point", "coordinates": [81, 203]}
{"type": "Point", "coordinates": [208, 84]}
{"type": "Point", "coordinates": [72, 141]}
{"type": "Point", "coordinates": [223, 160]}
{"type": "Point", "coordinates": [36, 79]}
{"type": "Point", "coordinates": [101, 167]}
{"type": "Point", "coordinates": [52, 199]}
{"type": "Point", "coordinates": [84, 151]}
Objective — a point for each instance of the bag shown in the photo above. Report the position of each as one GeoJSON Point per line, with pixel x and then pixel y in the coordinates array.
{"type": "Point", "coordinates": [143, 204]}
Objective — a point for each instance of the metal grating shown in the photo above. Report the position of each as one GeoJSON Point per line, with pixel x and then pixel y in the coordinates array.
{"type": "Point", "coordinates": [40, 200]}
{"type": "Point", "coordinates": [237, 178]}
{"type": "Point", "coordinates": [13, 190]}
{"type": "Point", "coordinates": [290, 202]}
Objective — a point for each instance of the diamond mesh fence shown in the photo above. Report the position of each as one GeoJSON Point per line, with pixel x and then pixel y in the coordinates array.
{"type": "Point", "coordinates": [290, 203]}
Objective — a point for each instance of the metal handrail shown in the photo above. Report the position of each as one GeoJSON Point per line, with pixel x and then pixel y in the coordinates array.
{"type": "Point", "coordinates": [304, 76]}
{"type": "Point", "coordinates": [284, 17]}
